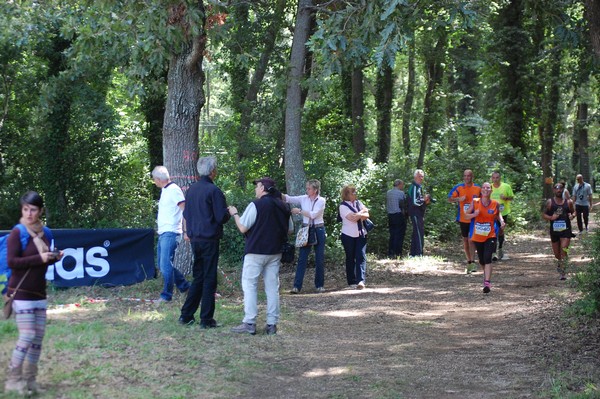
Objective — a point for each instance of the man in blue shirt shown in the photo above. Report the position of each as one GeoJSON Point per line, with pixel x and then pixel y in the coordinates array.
{"type": "Point", "coordinates": [396, 208]}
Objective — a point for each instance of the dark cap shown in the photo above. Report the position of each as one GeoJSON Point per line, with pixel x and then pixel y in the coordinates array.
{"type": "Point", "coordinates": [267, 182]}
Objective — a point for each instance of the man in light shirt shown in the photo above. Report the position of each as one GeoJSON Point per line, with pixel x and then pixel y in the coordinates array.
{"type": "Point", "coordinates": [169, 227]}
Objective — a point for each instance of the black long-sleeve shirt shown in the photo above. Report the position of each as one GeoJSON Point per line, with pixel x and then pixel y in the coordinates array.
{"type": "Point", "coordinates": [205, 211]}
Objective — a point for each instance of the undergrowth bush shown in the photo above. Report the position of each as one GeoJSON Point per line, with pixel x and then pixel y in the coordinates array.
{"type": "Point", "coordinates": [587, 281]}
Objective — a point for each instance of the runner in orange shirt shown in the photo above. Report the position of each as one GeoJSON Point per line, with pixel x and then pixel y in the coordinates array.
{"type": "Point", "coordinates": [463, 194]}
{"type": "Point", "coordinates": [483, 214]}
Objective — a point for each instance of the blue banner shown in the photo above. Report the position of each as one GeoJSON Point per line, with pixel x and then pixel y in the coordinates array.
{"type": "Point", "coordinates": [106, 257]}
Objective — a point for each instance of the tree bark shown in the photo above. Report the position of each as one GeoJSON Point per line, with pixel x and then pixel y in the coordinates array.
{"type": "Point", "coordinates": [56, 137]}
{"type": "Point", "coordinates": [512, 44]}
{"type": "Point", "coordinates": [239, 84]}
{"type": "Point", "coordinates": [185, 98]}
{"type": "Point", "coordinates": [549, 123]}
{"type": "Point", "coordinates": [409, 99]}
{"type": "Point", "coordinates": [294, 166]}
{"type": "Point", "coordinates": [383, 103]}
{"type": "Point", "coordinates": [358, 112]}
{"type": "Point", "coordinates": [466, 84]}
{"type": "Point", "coordinates": [581, 135]}
{"type": "Point", "coordinates": [592, 15]}
{"type": "Point", "coordinates": [435, 73]}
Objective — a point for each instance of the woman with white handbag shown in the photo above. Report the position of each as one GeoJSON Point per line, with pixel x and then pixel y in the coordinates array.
{"type": "Point", "coordinates": [312, 206]}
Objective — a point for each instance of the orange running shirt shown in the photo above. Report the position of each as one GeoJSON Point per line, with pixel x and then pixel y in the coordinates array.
{"type": "Point", "coordinates": [483, 226]}
{"type": "Point", "coordinates": [470, 193]}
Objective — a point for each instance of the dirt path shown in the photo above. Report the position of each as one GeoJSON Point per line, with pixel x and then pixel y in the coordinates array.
{"type": "Point", "coordinates": [426, 330]}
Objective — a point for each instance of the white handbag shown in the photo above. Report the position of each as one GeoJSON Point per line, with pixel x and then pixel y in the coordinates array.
{"type": "Point", "coordinates": [302, 237]}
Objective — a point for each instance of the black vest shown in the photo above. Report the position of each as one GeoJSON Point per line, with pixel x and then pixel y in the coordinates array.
{"type": "Point", "coordinates": [270, 230]}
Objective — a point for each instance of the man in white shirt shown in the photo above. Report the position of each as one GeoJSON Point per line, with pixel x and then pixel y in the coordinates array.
{"type": "Point", "coordinates": [169, 228]}
{"type": "Point", "coordinates": [582, 192]}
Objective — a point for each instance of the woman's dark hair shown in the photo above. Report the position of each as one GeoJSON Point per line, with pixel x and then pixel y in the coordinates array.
{"type": "Point", "coordinates": [32, 198]}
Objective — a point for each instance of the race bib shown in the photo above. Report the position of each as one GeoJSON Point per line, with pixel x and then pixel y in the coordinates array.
{"type": "Point", "coordinates": [501, 208]}
{"type": "Point", "coordinates": [559, 225]}
{"type": "Point", "coordinates": [483, 229]}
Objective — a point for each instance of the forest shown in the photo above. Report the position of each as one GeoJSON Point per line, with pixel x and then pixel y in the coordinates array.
{"type": "Point", "coordinates": [95, 94]}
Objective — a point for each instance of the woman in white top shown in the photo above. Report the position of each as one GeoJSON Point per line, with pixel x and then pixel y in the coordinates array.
{"type": "Point", "coordinates": [312, 206]}
{"type": "Point", "coordinates": [354, 236]}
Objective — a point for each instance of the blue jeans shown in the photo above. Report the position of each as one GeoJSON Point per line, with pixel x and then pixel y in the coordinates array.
{"type": "Point", "coordinates": [165, 252]}
{"type": "Point", "coordinates": [204, 285]}
{"type": "Point", "coordinates": [254, 266]}
{"type": "Point", "coordinates": [356, 258]}
{"type": "Point", "coordinates": [319, 261]}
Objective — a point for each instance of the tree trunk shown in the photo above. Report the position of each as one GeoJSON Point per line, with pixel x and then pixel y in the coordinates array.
{"type": "Point", "coordinates": [346, 88]}
{"type": "Point", "coordinates": [294, 166]}
{"type": "Point", "coordinates": [56, 137]}
{"type": "Point", "coordinates": [358, 112]}
{"type": "Point", "coordinates": [238, 72]}
{"type": "Point", "coordinates": [383, 102]}
{"type": "Point", "coordinates": [185, 98]}
{"type": "Point", "coordinates": [466, 84]}
{"type": "Point", "coordinates": [409, 99]}
{"type": "Point", "coordinates": [551, 116]}
{"type": "Point", "coordinates": [592, 15]}
{"type": "Point", "coordinates": [581, 133]}
{"type": "Point", "coordinates": [512, 43]}
{"type": "Point", "coordinates": [308, 63]}
{"type": "Point", "coordinates": [434, 78]}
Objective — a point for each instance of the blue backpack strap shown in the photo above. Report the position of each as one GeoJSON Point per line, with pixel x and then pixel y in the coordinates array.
{"type": "Point", "coordinates": [24, 236]}
{"type": "Point", "coordinates": [48, 234]}
{"type": "Point", "coordinates": [4, 269]}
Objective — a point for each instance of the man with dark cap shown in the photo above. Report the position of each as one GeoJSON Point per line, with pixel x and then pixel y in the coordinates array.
{"type": "Point", "coordinates": [266, 223]}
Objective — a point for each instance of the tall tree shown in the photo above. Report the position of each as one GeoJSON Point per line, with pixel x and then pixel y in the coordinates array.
{"type": "Point", "coordinates": [592, 15]}
{"type": "Point", "coordinates": [383, 102]}
{"type": "Point", "coordinates": [240, 33]}
{"type": "Point", "coordinates": [185, 96]}
{"type": "Point", "coordinates": [294, 166]}
{"type": "Point", "coordinates": [358, 111]}
{"type": "Point", "coordinates": [511, 44]}
{"type": "Point", "coordinates": [434, 60]}
{"type": "Point", "coordinates": [58, 121]}
{"type": "Point", "coordinates": [547, 129]}
{"type": "Point", "coordinates": [409, 98]}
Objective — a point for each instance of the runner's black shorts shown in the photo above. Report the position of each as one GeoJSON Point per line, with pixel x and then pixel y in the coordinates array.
{"type": "Point", "coordinates": [464, 229]}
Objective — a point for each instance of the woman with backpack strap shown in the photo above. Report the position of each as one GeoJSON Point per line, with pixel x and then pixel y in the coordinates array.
{"type": "Point", "coordinates": [28, 267]}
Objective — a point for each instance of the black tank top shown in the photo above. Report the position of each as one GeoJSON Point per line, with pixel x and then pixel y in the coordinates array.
{"type": "Point", "coordinates": [563, 222]}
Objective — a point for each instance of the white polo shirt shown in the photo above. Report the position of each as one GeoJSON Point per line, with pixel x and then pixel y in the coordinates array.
{"type": "Point", "coordinates": [169, 213]}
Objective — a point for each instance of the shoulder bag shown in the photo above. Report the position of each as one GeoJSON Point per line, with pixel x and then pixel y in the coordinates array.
{"type": "Point", "coordinates": [8, 298]}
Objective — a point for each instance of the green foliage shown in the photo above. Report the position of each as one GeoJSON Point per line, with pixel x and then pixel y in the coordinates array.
{"type": "Point", "coordinates": [588, 281]}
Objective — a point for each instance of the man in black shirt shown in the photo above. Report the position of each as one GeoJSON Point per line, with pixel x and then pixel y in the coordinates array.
{"type": "Point", "coordinates": [205, 213]}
